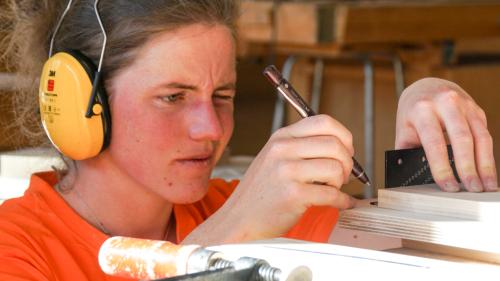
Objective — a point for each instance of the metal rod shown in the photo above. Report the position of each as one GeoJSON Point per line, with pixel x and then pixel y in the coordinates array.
{"type": "Point", "coordinates": [369, 126]}
{"type": "Point", "coordinates": [105, 39]}
{"type": "Point", "coordinates": [59, 23]}
{"type": "Point", "coordinates": [398, 75]}
{"type": "Point", "coordinates": [319, 66]}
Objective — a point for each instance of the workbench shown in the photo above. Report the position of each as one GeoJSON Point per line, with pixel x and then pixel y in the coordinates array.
{"type": "Point", "coordinates": [331, 262]}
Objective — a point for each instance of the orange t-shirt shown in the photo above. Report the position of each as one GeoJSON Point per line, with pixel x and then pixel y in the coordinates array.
{"type": "Point", "coordinates": [43, 238]}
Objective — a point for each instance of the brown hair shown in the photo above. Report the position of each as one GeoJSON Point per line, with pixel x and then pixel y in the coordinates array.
{"type": "Point", "coordinates": [26, 26]}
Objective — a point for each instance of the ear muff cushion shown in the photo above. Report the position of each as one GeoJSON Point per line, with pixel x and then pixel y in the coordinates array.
{"type": "Point", "coordinates": [102, 96]}
{"type": "Point", "coordinates": [65, 87]}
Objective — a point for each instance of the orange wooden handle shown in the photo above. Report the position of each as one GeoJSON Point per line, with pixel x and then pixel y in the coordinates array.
{"type": "Point", "coordinates": [144, 259]}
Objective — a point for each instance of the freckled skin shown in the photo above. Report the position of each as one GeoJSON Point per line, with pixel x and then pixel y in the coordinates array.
{"type": "Point", "coordinates": [151, 135]}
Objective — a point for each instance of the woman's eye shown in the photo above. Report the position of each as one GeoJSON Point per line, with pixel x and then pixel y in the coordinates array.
{"type": "Point", "coordinates": [172, 98]}
{"type": "Point", "coordinates": [223, 97]}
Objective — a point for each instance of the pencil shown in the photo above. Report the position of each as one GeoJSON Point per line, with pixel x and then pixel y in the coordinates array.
{"type": "Point", "coordinates": [285, 88]}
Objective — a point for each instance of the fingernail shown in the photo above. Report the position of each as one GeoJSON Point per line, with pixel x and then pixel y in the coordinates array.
{"type": "Point", "coordinates": [475, 185]}
{"type": "Point", "coordinates": [491, 185]}
{"type": "Point", "coordinates": [451, 186]}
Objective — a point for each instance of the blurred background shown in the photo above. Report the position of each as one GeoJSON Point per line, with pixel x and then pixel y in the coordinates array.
{"type": "Point", "coordinates": [349, 59]}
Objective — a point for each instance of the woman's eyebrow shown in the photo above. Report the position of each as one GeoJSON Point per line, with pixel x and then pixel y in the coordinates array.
{"type": "Point", "coordinates": [227, 86]}
{"type": "Point", "coordinates": [177, 85]}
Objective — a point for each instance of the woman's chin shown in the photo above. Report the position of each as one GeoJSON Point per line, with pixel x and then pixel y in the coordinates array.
{"type": "Point", "coordinates": [186, 193]}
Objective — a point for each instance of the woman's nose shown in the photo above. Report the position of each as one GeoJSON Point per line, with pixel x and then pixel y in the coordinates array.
{"type": "Point", "coordinates": [204, 122]}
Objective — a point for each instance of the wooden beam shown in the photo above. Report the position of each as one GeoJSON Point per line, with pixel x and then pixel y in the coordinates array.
{"type": "Point", "coordinates": [13, 81]}
{"type": "Point", "coordinates": [255, 22]}
{"type": "Point", "coordinates": [409, 23]}
{"type": "Point", "coordinates": [7, 81]}
{"type": "Point", "coordinates": [373, 22]}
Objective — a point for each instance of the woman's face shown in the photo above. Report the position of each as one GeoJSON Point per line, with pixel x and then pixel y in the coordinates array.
{"type": "Point", "coordinates": [172, 111]}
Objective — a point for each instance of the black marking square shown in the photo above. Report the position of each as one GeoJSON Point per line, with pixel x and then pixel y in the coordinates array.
{"type": "Point", "coordinates": [405, 167]}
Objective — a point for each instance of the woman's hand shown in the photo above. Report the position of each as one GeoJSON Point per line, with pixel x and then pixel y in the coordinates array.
{"type": "Point", "coordinates": [302, 165]}
{"type": "Point", "coordinates": [431, 108]}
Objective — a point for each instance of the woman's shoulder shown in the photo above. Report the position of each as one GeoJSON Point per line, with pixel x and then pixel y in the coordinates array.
{"type": "Point", "coordinates": [20, 218]}
{"type": "Point", "coordinates": [39, 233]}
{"type": "Point", "coordinates": [33, 215]}
{"type": "Point", "coordinates": [19, 229]}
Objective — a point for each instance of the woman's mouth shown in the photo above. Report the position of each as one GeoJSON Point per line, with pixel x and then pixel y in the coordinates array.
{"type": "Point", "coordinates": [203, 160]}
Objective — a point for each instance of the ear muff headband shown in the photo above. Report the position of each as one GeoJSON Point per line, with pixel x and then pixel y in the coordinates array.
{"type": "Point", "coordinates": [73, 103]}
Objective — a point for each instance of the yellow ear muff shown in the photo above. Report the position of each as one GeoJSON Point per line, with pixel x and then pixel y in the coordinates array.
{"type": "Point", "coordinates": [64, 94]}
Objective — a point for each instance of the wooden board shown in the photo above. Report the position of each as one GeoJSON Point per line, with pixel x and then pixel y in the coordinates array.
{"type": "Point", "coordinates": [425, 213]}
{"type": "Point", "coordinates": [455, 232]}
{"type": "Point", "coordinates": [429, 199]}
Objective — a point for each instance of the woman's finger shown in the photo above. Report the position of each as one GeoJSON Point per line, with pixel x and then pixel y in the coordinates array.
{"type": "Point", "coordinates": [462, 142]}
{"type": "Point", "coordinates": [431, 135]}
{"type": "Point", "coordinates": [330, 172]}
{"type": "Point", "coordinates": [319, 125]}
{"type": "Point", "coordinates": [322, 195]}
{"type": "Point", "coordinates": [322, 147]}
{"type": "Point", "coordinates": [483, 149]}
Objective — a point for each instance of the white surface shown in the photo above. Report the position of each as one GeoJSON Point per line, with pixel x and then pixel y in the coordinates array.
{"type": "Point", "coordinates": [12, 187]}
{"type": "Point", "coordinates": [334, 262]}
{"type": "Point", "coordinates": [23, 163]}
{"type": "Point", "coordinates": [16, 168]}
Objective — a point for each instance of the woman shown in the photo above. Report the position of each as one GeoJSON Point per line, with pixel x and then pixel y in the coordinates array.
{"type": "Point", "coordinates": [169, 71]}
